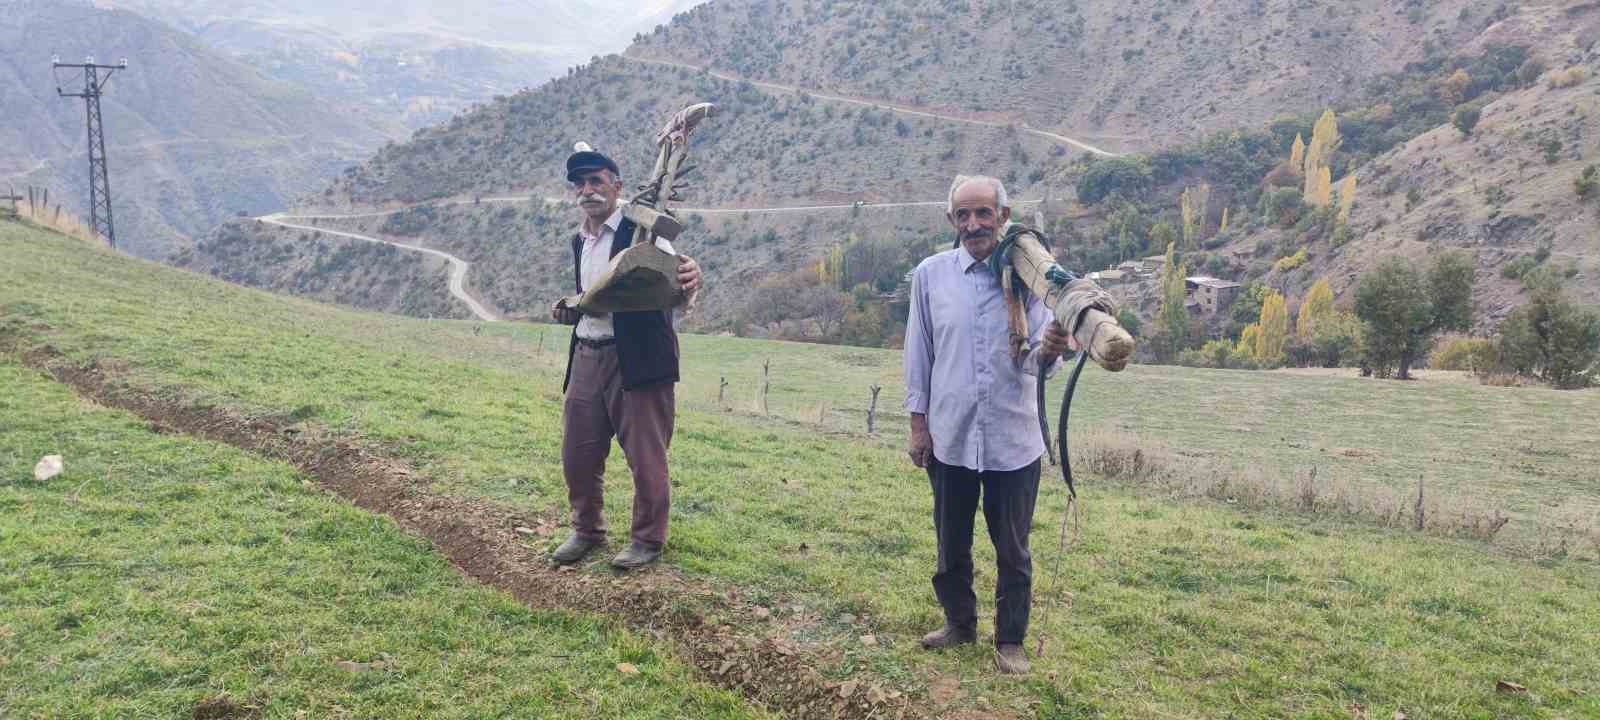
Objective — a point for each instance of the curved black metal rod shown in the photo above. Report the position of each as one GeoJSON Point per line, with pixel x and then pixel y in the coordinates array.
{"type": "Point", "coordinates": [1061, 425]}
{"type": "Point", "coordinates": [1044, 419]}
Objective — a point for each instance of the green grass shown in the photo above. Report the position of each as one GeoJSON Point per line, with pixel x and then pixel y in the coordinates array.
{"type": "Point", "coordinates": [159, 572]}
{"type": "Point", "coordinates": [1176, 609]}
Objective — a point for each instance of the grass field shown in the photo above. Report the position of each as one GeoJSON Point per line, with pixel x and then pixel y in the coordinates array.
{"type": "Point", "coordinates": [1167, 608]}
{"type": "Point", "coordinates": [161, 576]}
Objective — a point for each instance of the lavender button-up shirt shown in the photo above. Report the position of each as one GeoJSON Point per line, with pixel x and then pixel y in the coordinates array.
{"type": "Point", "coordinates": [959, 372]}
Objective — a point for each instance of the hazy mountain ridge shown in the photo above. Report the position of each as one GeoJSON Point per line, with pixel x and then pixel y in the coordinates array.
{"type": "Point", "coordinates": [191, 137]}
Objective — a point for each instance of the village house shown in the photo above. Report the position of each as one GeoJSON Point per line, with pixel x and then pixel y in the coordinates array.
{"type": "Point", "coordinates": [1209, 295]}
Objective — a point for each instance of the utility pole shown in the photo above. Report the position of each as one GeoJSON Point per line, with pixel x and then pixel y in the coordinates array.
{"type": "Point", "coordinates": [99, 177]}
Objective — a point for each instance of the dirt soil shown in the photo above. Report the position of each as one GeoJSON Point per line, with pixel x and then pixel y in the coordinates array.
{"type": "Point", "coordinates": [745, 650]}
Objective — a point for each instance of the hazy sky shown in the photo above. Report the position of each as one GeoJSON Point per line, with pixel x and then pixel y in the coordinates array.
{"type": "Point", "coordinates": [562, 25]}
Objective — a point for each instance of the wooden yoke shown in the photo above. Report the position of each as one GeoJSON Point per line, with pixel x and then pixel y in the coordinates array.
{"type": "Point", "coordinates": [1072, 301]}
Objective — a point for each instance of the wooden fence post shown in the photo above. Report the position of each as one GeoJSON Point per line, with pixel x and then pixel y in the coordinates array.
{"type": "Point", "coordinates": [722, 387]}
{"type": "Point", "coordinates": [1419, 519]}
{"type": "Point", "coordinates": [766, 385]}
{"type": "Point", "coordinates": [872, 408]}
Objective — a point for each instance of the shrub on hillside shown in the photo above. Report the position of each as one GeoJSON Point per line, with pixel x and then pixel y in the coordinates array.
{"type": "Point", "coordinates": [1129, 321]}
{"type": "Point", "coordinates": [1587, 183]}
{"type": "Point", "coordinates": [1285, 264]}
{"type": "Point", "coordinates": [1282, 207]}
{"type": "Point", "coordinates": [1466, 118]}
{"type": "Point", "coordinates": [1474, 355]}
{"type": "Point", "coordinates": [1128, 176]}
{"type": "Point", "coordinates": [1567, 78]}
{"type": "Point", "coordinates": [1552, 338]}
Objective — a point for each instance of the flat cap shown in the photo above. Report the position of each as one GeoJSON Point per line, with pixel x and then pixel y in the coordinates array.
{"type": "Point", "coordinates": [585, 158]}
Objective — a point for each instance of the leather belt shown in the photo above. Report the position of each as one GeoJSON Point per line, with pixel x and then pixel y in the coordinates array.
{"type": "Point", "coordinates": [596, 344]}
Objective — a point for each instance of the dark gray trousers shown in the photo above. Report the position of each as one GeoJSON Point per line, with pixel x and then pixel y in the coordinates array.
{"type": "Point", "coordinates": [1008, 499]}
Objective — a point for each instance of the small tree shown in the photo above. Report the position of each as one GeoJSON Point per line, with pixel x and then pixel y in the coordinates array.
{"type": "Point", "coordinates": [1403, 309]}
{"type": "Point", "coordinates": [1586, 183]}
{"type": "Point", "coordinates": [1552, 338]}
{"type": "Point", "coordinates": [1337, 340]}
{"type": "Point", "coordinates": [1174, 316]}
{"type": "Point", "coordinates": [1163, 234]}
{"type": "Point", "coordinates": [1466, 118]}
{"type": "Point", "coordinates": [1129, 321]}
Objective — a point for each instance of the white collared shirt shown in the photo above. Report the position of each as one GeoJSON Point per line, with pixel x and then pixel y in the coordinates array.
{"type": "Point", "coordinates": [959, 372]}
{"type": "Point", "coordinates": [592, 265]}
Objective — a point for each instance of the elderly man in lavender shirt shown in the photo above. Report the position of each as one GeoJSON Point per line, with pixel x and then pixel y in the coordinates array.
{"type": "Point", "coordinates": [974, 424]}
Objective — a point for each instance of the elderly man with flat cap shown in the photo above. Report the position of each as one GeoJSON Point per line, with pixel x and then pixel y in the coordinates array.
{"type": "Point", "coordinates": [621, 370]}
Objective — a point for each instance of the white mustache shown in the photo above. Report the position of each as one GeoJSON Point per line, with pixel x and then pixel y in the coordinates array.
{"type": "Point", "coordinates": [592, 197]}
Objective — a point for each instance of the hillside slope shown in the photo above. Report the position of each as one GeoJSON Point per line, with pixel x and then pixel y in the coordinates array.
{"type": "Point", "coordinates": [773, 147]}
{"type": "Point", "coordinates": [191, 137]}
{"type": "Point", "coordinates": [1139, 73]}
{"type": "Point", "coordinates": [1506, 193]}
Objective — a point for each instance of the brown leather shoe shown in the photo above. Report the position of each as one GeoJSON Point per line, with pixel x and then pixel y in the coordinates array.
{"type": "Point", "coordinates": [949, 636]}
{"type": "Point", "coordinates": [576, 548]}
{"type": "Point", "coordinates": [638, 555]}
{"type": "Point", "coordinates": [1009, 659]}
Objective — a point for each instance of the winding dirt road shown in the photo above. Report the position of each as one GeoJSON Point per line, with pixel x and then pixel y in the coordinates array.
{"type": "Point", "coordinates": [458, 267]}
{"type": "Point", "coordinates": [902, 109]}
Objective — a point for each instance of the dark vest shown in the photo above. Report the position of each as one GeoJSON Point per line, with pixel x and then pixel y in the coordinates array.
{"type": "Point", "coordinates": [647, 346]}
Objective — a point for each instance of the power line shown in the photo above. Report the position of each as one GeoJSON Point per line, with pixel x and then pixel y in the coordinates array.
{"type": "Point", "coordinates": [99, 176]}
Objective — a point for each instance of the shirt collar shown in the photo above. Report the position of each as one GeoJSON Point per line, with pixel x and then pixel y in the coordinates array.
{"type": "Point", "coordinates": [965, 260]}
{"type": "Point", "coordinates": [611, 224]}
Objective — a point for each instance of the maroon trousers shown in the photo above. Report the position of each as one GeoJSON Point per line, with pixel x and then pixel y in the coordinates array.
{"type": "Point", "coordinates": [596, 409]}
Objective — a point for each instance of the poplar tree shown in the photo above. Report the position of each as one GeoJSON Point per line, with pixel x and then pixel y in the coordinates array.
{"type": "Point", "coordinates": [1317, 307]}
{"type": "Point", "coordinates": [1249, 341]}
{"type": "Point", "coordinates": [1174, 316]}
{"type": "Point", "coordinates": [1274, 329]}
{"type": "Point", "coordinates": [1347, 197]}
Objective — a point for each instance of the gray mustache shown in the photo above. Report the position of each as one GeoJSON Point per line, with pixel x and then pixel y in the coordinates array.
{"type": "Point", "coordinates": [597, 197]}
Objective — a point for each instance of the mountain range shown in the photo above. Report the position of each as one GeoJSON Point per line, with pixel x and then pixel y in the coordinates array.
{"type": "Point", "coordinates": [836, 103]}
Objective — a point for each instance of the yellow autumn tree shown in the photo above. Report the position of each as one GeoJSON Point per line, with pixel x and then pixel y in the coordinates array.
{"type": "Point", "coordinates": [1274, 329]}
{"type": "Point", "coordinates": [1347, 197]}
{"type": "Point", "coordinates": [1317, 307]}
{"type": "Point", "coordinates": [1224, 226]}
{"type": "Point", "coordinates": [830, 269]}
{"type": "Point", "coordinates": [1325, 134]}
{"type": "Point", "coordinates": [1249, 341]}
{"type": "Point", "coordinates": [1297, 155]}
{"type": "Point", "coordinates": [1324, 191]}
{"type": "Point", "coordinates": [1455, 87]}
{"type": "Point", "coordinates": [1325, 140]}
